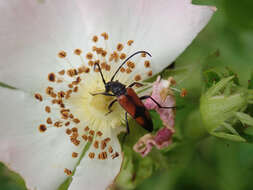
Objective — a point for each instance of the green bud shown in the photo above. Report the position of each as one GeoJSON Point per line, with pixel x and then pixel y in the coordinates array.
{"type": "Point", "coordinates": [222, 106]}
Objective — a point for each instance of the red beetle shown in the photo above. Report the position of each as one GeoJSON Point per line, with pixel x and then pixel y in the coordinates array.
{"type": "Point", "coordinates": [128, 99]}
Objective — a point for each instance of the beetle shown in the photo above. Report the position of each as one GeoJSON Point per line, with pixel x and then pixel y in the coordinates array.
{"type": "Point", "coordinates": [128, 99]}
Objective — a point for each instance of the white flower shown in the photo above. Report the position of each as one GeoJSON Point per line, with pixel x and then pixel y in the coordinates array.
{"type": "Point", "coordinates": [32, 34]}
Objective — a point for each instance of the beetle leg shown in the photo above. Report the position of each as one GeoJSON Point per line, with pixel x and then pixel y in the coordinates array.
{"type": "Point", "coordinates": [110, 106]}
{"type": "Point", "coordinates": [135, 83]}
{"type": "Point", "coordinates": [146, 97]}
{"type": "Point", "coordinates": [103, 93]}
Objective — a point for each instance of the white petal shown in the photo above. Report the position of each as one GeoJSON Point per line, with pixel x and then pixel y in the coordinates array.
{"type": "Point", "coordinates": [97, 174]}
{"type": "Point", "coordinates": [31, 35]}
{"type": "Point", "coordinates": [163, 27]}
{"type": "Point", "coordinates": [40, 158]}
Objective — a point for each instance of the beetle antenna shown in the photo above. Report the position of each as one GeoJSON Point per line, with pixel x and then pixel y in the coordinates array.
{"type": "Point", "coordinates": [96, 64]}
{"type": "Point", "coordinates": [127, 60]}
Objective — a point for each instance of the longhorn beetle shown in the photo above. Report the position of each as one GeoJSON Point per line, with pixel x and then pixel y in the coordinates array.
{"type": "Point", "coordinates": [128, 99]}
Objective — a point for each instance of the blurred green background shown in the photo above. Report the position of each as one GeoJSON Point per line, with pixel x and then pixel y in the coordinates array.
{"type": "Point", "coordinates": [208, 163]}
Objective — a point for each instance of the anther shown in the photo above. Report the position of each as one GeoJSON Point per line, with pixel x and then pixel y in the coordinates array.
{"type": "Point", "coordinates": [78, 51]}
{"type": "Point", "coordinates": [67, 171]}
{"type": "Point", "coordinates": [68, 131]}
{"type": "Point", "coordinates": [115, 155]}
{"type": "Point", "coordinates": [85, 137]}
{"type": "Point", "coordinates": [147, 64]}
{"type": "Point", "coordinates": [99, 133]}
{"type": "Point", "coordinates": [62, 54]}
{"type": "Point", "coordinates": [120, 47]}
{"type": "Point", "coordinates": [42, 128]}
{"type": "Point", "coordinates": [95, 39]}
{"type": "Point", "coordinates": [91, 155]}
{"type": "Point", "coordinates": [47, 109]}
{"type": "Point", "coordinates": [96, 144]}
{"type": "Point", "coordinates": [51, 77]}
{"type": "Point", "coordinates": [130, 42]}
{"type": "Point", "coordinates": [150, 73]}
{"type": "Point", "coordinates": [38, 97]}
{"type": "Point", "coordinates": [49, 121]}
{"type": "Point", "coordinates": [105, 35]}
{"type": "Point", "coordinates": [76, 120]}
{"type": "Point", "coordinates": [86, 128]}
{"type": "Point", "coordinates": [62, 72]}
{"type": "Point", "coordinates": [137, 78]}
{"type": "Point", "coordinates": [74, 154]}
{"type": "Point", "coordinates": [122, 56]}
{"type": "Point", "coordinates": [110, 150]}
{"type": "Point", "coordinates": [92, 132]}
{"type": "Point", "coordinates": [89, 55]}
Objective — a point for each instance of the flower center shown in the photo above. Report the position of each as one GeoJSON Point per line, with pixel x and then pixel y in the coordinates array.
{"type": "Point", "coordinates": [101, 103]}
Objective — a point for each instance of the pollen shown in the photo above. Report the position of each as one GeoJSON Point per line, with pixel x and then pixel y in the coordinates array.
{"type": "Point", "coordinates": [67, 172]}
{"type": "Point", "coordinates": [49, 121]}
{"type": "Point", "coordinates": [137, 78]}
{"type": "Point", "coordinates": [78, 51]}
{"type": "Point", "coordinates": [62, 72]}
{"type": "Point", "coordinates": [42, 128]}
{"type": "Point", "coordinates": [130, 42]}
{"type": "Point", "coordinates": [128, 70]}
{"type": "Point", "coordinates": [68, 131]}
{"type": "Point", "coordinates": [105, 35]}
{"type": "Point", "coordinates": [120, 47]}
{"type": "Point", "coordinates": [122, 56]}
{"type": "Point", "coordinates": [147, 64]}
{"type": "Point", "coordinates": [130, 64]}
{"type": "Point", "coordinates": [89, 55]}
{"type": "Point", "coordinates": [47, 109]}
{"type": "Point", "coordinates": [95, 39]}
{"type": "Point", "coordinates": [74, 155]}
{"type": "Point", "coordinates": [51, 77]}
{"type": "Point", "coordinates": [150, 73]}
{"type": "Point", "coordinates": [92, 155]}
{"type": "Point", "coordinates": [143, 55]}
{"type": "Point", "coordinates": [38, 97]}
{"type": "Point", "coordinates": [96, 144]}
{"type": "Point", "coordinates": [62, 54]}
{"type": "Point", "coordinates": [115, 155]}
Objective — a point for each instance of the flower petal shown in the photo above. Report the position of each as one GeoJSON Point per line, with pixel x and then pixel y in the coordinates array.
{"type": "Point", "coordinates": [35, 156]}
{"type": "Point", "coordinates": [98, 174]}
{"type": "Point", "coordinates": [32, 33]}
{"type": "Point", "coordinates": [164, 27]}
{"type": "Point", "coordinates": [31, 36]}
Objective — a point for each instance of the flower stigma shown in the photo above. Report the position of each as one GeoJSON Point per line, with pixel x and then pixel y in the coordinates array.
{"type": "Point", "coordinates": [69, 103]}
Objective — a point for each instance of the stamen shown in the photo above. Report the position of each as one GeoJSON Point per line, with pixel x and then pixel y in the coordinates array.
{"type": "Point", "coordinates": [42, 128]}
{"type": "Point", "coordinates": [95, 39]}
{"type": "Point", "coordinates": [47, 109]}
{"type": "Point", "coordinates": [89, 55]}
{"type": "Point", "coordinates": [74, 155]}
{"type": "Point", "coordinates": [105, 35]}
{"type": "Point", "coordinates": [68, 131]}
{"type": "Point", "coordinates": [120, 47]}
{"type": "Point", "coordinates": [51, 77]}
{"type": "Point", "coordinates": [49, 121]}
{"type": "Point", "coordinates": [62, 72]}
{"type": "Point", "coordinates": [78, 51]}
{"type": "Point", "coordinates": [130, 42]}
{"type": "Point", "coordinates": [115, 155]}
{"type": "Point", "coordinates": [91, 155]}
{"type": "Point", "coordinates": [67, 171]}
{"type": "Point", "coordinates": [62, 54]}
{"type": "Point", "coordinates": [137, 78]}
{"type": "Point", "coordinates": [122, 56]}
{"type": "Point", "coordinates": [38, 97]}
{"type": "Point", "coordinates": [150, 73]}
{"type": "Point", "coordinates": [147, 64]}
